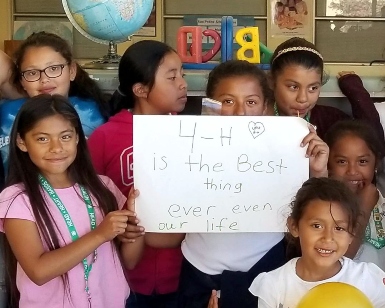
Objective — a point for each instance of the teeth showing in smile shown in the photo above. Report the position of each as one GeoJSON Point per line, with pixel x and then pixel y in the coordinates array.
{"type": "Point", "coordinates": [324, 250]}
{"type": "Point", "coordinates": [354, 182]}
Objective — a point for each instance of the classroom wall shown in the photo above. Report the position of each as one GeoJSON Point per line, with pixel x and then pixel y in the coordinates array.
{"type": "Point", "coordinates": [5, 21]}
{"type": "Point", "coordinates": [171, 6]}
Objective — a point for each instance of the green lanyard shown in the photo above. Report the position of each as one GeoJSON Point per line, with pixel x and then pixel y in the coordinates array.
{"type": "Point", "coordinates": [380, 241]}
{"type": "Point", "coordinates": [276, 113]}
{"type": "Point", "coordinates": [70, 225]}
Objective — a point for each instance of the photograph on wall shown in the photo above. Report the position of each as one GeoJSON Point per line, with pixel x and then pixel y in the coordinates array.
{"type": "Point", "coordinates": [149, 28]}
{"type": "Point", "coordinates": [291, 17]}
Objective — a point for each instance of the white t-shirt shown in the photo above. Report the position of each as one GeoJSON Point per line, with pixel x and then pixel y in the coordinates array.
{"type": "Point", "coordinates": [367, 252]}
{"type": "Point", "coordinates": [282, 288]}
{"type": "Point", "coordinates": [212, 253]}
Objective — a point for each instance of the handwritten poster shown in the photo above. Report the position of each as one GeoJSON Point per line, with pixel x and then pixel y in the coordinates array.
{"type": "Point", "coordinates": [217, 174]}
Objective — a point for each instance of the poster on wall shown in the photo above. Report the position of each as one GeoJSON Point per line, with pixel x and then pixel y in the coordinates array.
{"type": "Point", "coordinates": [149, 28]}
{"type": "Point", "coordinates": [291, 17]}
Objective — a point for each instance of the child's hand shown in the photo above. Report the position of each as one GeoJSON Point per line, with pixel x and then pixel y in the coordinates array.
{"type": "Point", "coordinates": [318, 153]}
{"type": "Point", "coordinates": [132, 230]}
{"type": "Point", "coordinates": [343, 73]}
{"type": "Point", "coordinates": [213, 302]}
{"type": "Point", "coordinates": [113, 224]}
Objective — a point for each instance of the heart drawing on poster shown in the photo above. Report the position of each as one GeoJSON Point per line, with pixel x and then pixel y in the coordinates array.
{"type": "Point", "coordinates": [256, 129]}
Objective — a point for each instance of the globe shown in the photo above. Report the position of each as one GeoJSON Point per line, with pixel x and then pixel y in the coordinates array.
{"type": "Point", "coordinates": [108, 21]}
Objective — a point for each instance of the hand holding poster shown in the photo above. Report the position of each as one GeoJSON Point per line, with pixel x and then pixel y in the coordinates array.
{"type": "Point", "coordinates": [217, 174]}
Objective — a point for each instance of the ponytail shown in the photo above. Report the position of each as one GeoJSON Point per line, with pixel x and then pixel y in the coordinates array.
{"type": "Point", "coordinates": [120, 100]}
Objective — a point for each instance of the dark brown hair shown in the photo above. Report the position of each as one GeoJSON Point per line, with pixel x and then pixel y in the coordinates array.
{"type": "Point", "coordinates": [304, 58]}
{"type": "Point", "coordinates": [237, 68]}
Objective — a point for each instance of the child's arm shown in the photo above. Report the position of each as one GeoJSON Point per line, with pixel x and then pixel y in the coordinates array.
{"type": "Point", "coordinates": [368, 197]}
{"type": "Point", "coordinates": [318, 153]}
{"type": "Point", "coordinates": [132, 240]}
{"type": "Point", "coordinates": [42, 266]}
{"type": "Point", "coordinates": [362, 104]}
{"type": "Point", "coordinates": [7, 90]}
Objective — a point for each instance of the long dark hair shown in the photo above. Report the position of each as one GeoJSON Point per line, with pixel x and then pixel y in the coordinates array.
{"type": "Point", "coordinates": [23, 171]}
{"type": "Point", "coordinates": [82, 86]}
{"type": "Point", "coordinates": [138, 64]}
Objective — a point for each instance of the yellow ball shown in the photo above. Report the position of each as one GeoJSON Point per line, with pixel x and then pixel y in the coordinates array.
{"type": "Point", "coordinates": [335, 295]}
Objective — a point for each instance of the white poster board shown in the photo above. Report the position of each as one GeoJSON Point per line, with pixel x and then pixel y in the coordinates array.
{"type": "Point", "coordinates": [217, 173]}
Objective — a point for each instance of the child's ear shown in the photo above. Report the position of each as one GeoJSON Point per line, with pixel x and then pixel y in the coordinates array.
{"type": "Point", "coordinates": [352, 236]}
{"type": "Point", "coordinates": [292, 226]}
{"type": "Point", "coordinates": [73, 70]}
{"type": "Point", "coordinates": [378, 166]}
{"type": "Point", "coordinates": [140, 90]}
{"type": "Point", "coordinates": [20, 144]}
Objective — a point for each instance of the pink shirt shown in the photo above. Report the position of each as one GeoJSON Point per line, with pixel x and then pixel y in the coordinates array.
{"type": "Point", "coordinates": [107, 283]}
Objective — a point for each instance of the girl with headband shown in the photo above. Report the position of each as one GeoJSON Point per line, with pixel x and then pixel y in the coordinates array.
{"type": "Point", "coordinates": [297, 72]}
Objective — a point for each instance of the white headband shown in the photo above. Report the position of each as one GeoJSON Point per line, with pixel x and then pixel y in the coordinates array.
{"type": "Point", "coordinates": [281, 52]}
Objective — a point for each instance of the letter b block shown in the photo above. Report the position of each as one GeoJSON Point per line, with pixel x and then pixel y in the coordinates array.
{"type": "Point", "coordinates": [248, 39]}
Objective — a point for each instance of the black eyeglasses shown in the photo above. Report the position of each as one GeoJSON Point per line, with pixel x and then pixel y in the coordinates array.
{"type": "Point", "coordinates": [52, 71]}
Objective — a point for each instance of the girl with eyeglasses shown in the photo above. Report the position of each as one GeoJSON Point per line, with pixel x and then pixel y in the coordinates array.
{"type": "Point", "coordinates": [44, 65]}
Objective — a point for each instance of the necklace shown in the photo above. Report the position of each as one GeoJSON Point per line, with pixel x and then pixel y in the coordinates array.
{"type": "Point", "coordinates": [380, 241]}
{"type": "Point", "coordinates": [87, 267]}
{"type": "Point", "coordinates": [276, 113]}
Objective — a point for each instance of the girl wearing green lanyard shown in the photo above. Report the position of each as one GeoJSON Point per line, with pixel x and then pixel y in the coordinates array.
{"type": "Point", "coordinates": [60, 218]}
{"type": "Point", "coordinates": [355, 153]}
{"type": "Point", "coordinates": [297, 74]}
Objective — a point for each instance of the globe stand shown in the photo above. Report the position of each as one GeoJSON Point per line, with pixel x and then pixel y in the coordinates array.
{"type": "Point", "coordinates": [108, 62]}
